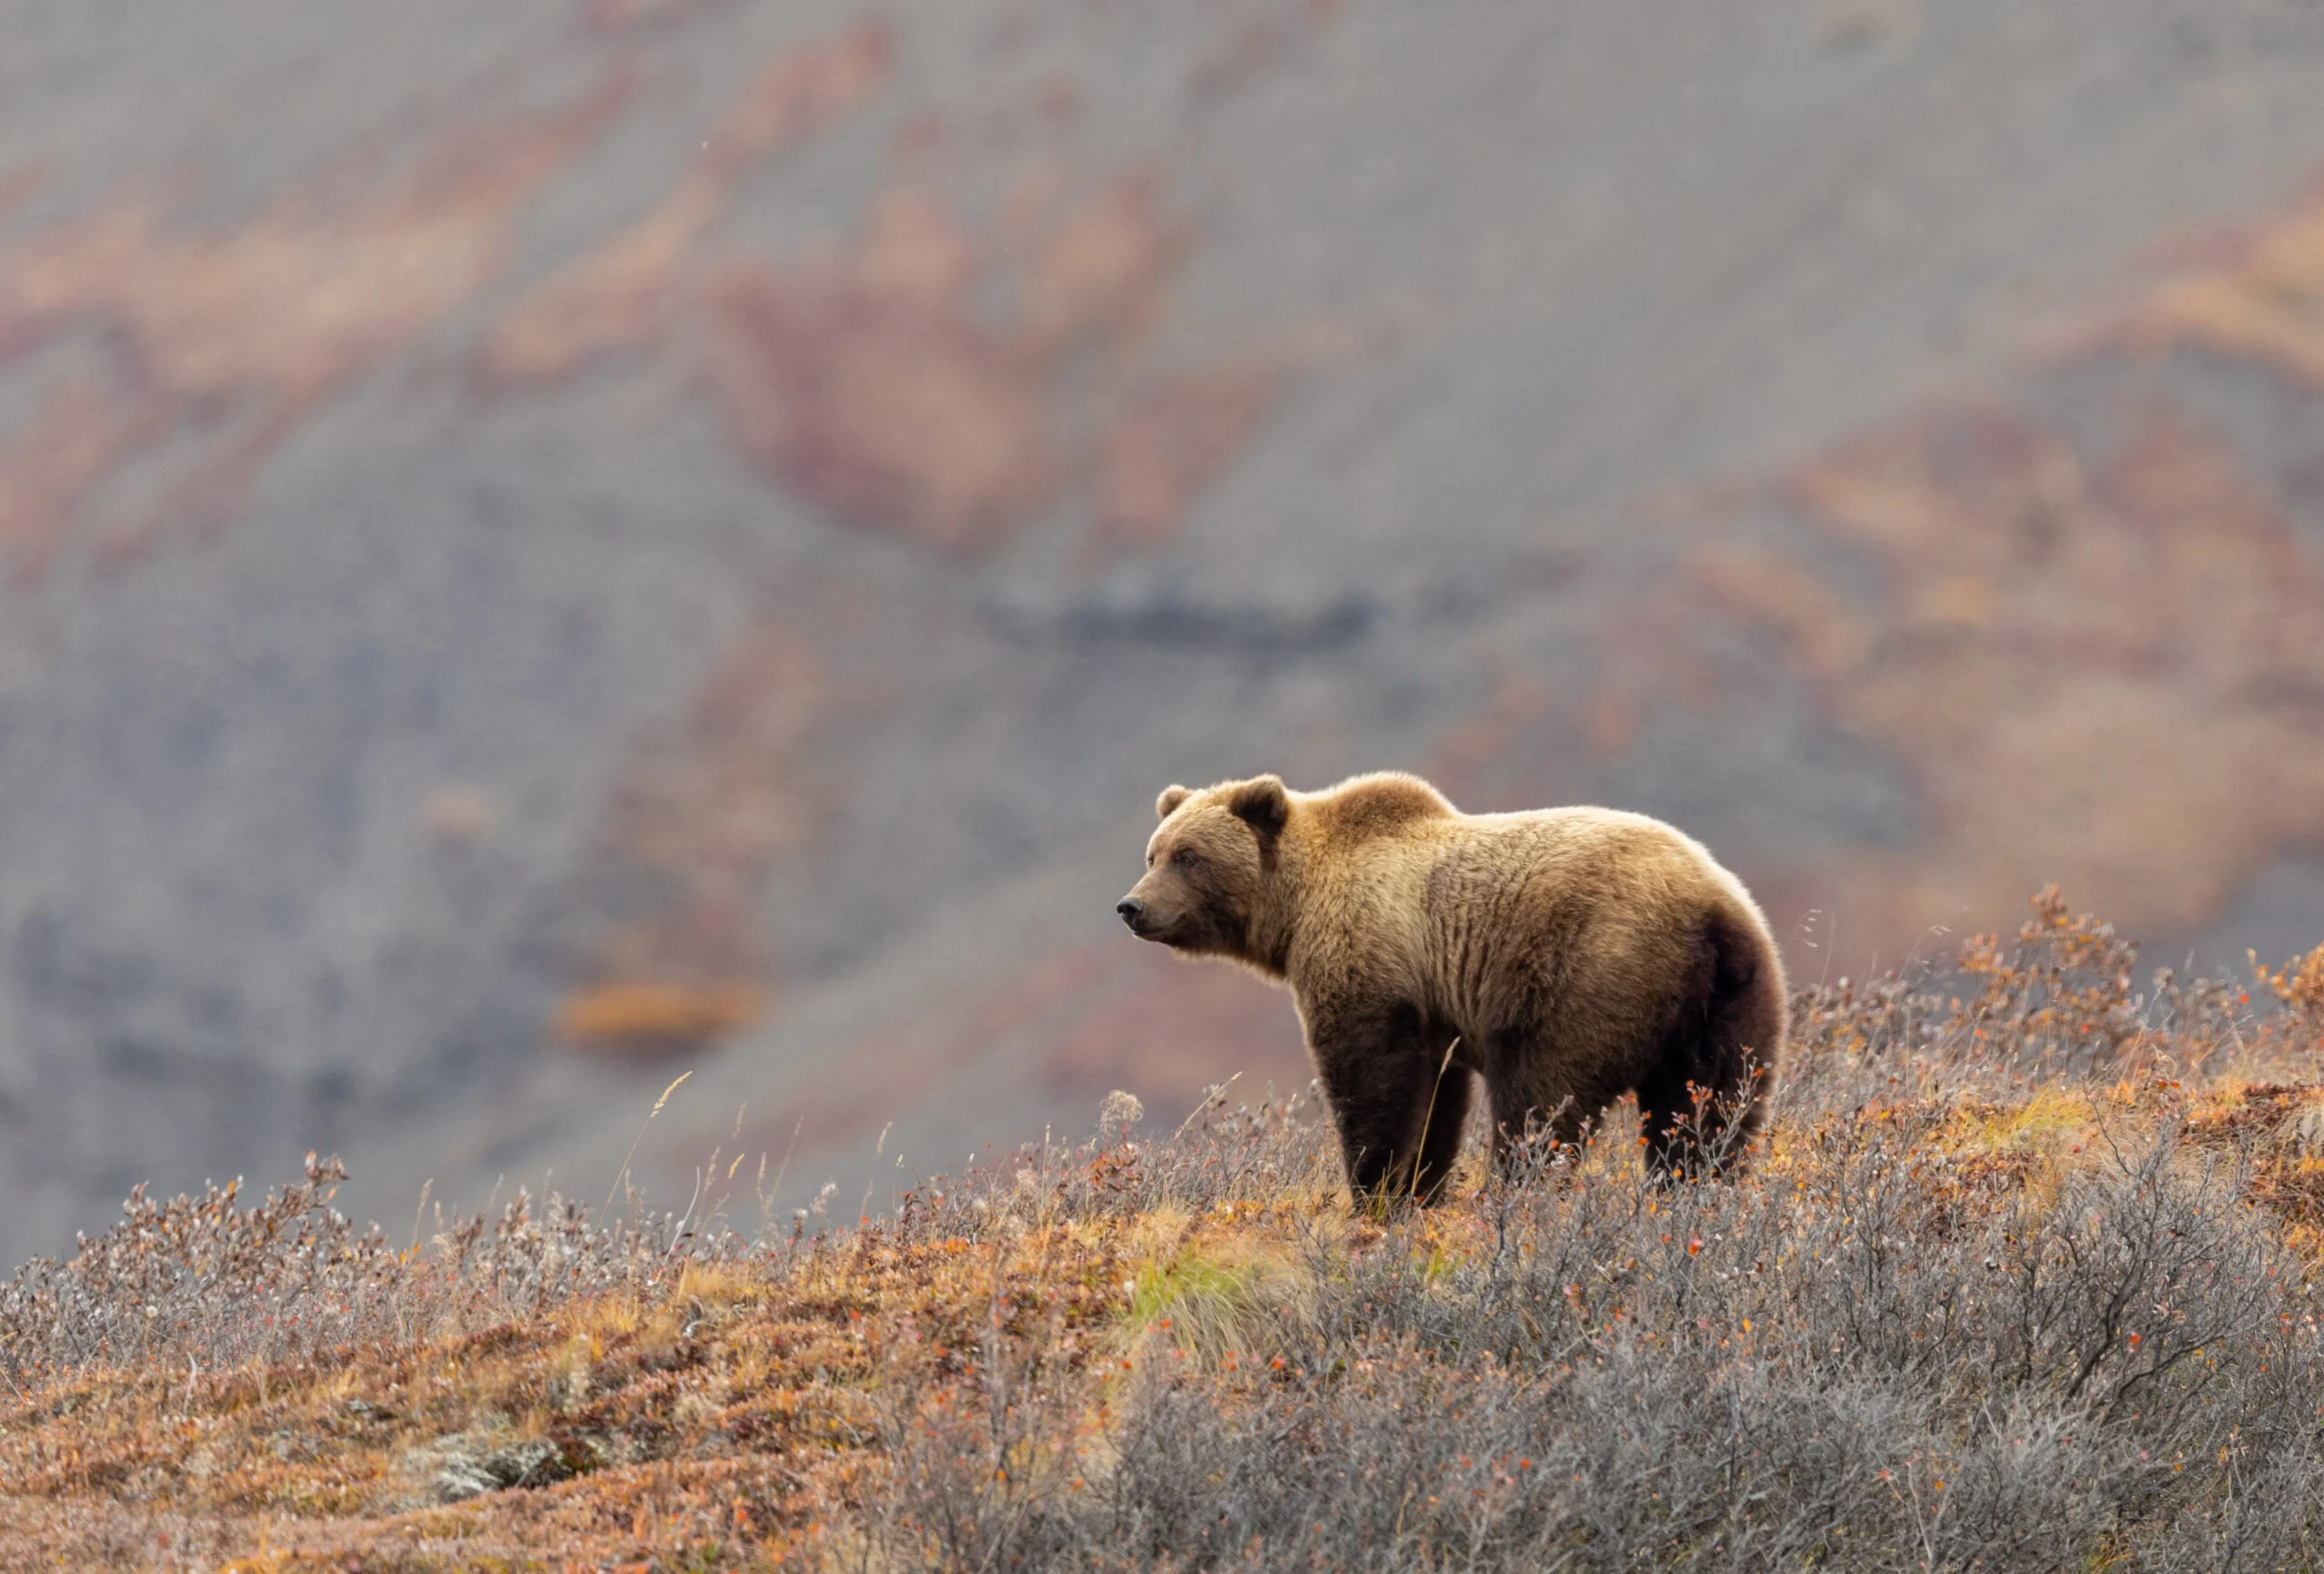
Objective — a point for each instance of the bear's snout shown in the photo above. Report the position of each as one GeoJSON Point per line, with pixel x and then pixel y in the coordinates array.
{"type": "Point", "coordinates": [1146, 922]}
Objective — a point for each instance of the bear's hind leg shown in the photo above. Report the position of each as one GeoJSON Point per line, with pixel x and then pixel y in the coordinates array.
{"type": "Point", "coordinates": [1703, 1100]}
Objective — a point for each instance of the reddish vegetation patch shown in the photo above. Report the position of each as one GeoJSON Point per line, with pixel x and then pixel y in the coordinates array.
{"type": "Point", "coordinates": [1098, 271]}
{"type": "Point", "coordinates": [870, 381]}
{"type": "Point", "coordinates": [877, 396]}
{"type": "Point", "coordinates": [237, 338]}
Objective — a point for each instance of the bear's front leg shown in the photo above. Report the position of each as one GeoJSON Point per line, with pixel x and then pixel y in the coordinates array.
{"type": "Point", "coordinates": [1379, 1078]}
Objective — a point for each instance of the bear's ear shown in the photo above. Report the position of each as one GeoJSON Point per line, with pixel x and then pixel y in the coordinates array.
{"type": "Point", "coordinates": [1172, 796]}
{"type": "Point", "coordinates": [1262, 803]}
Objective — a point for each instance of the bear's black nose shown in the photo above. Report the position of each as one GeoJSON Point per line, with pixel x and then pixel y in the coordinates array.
{"type": "Point", "coordinates": [1132, 910]}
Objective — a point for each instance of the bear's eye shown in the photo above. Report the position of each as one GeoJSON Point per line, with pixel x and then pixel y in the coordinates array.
{"type": "Point", "coordinates": [1185, 858]}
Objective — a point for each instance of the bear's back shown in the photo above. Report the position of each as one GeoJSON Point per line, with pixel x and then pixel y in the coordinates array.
{"type": "Point", "coordinates": [1397, 874]}
{"type": "Point", "coordinates": [1570, 870]}
{"type": "Point", "coordinates": [1587, 907]}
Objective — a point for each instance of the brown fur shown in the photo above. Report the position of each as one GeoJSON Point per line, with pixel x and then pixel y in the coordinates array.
{"type": "Point", "coordinates": [1566, 956]}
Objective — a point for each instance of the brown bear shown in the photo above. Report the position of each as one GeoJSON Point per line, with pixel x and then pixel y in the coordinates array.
{"type": "Point", "coordinates": [1566, 956]}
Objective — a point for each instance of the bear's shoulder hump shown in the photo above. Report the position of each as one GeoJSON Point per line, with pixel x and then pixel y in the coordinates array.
{"type": "Point", "coordinates": [1383, 801]}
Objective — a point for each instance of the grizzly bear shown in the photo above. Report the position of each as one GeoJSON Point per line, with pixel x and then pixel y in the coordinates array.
{"type": "Point", "coordinates": [1566, 956]}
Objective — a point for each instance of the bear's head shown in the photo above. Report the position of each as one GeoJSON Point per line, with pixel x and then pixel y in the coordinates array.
{"type": "Point", "coordinates": [1210, 884]}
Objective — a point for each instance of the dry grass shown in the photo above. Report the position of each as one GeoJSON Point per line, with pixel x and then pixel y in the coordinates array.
{"type": "Point", "coordinates": [2024, 1279]}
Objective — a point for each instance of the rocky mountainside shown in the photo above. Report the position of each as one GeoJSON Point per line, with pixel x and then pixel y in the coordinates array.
{"type": "Point", "coordinates": [551, 546]}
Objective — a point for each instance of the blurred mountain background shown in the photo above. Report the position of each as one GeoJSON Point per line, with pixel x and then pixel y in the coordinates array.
{"type": "Point", "coordinates": [547, 545]}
